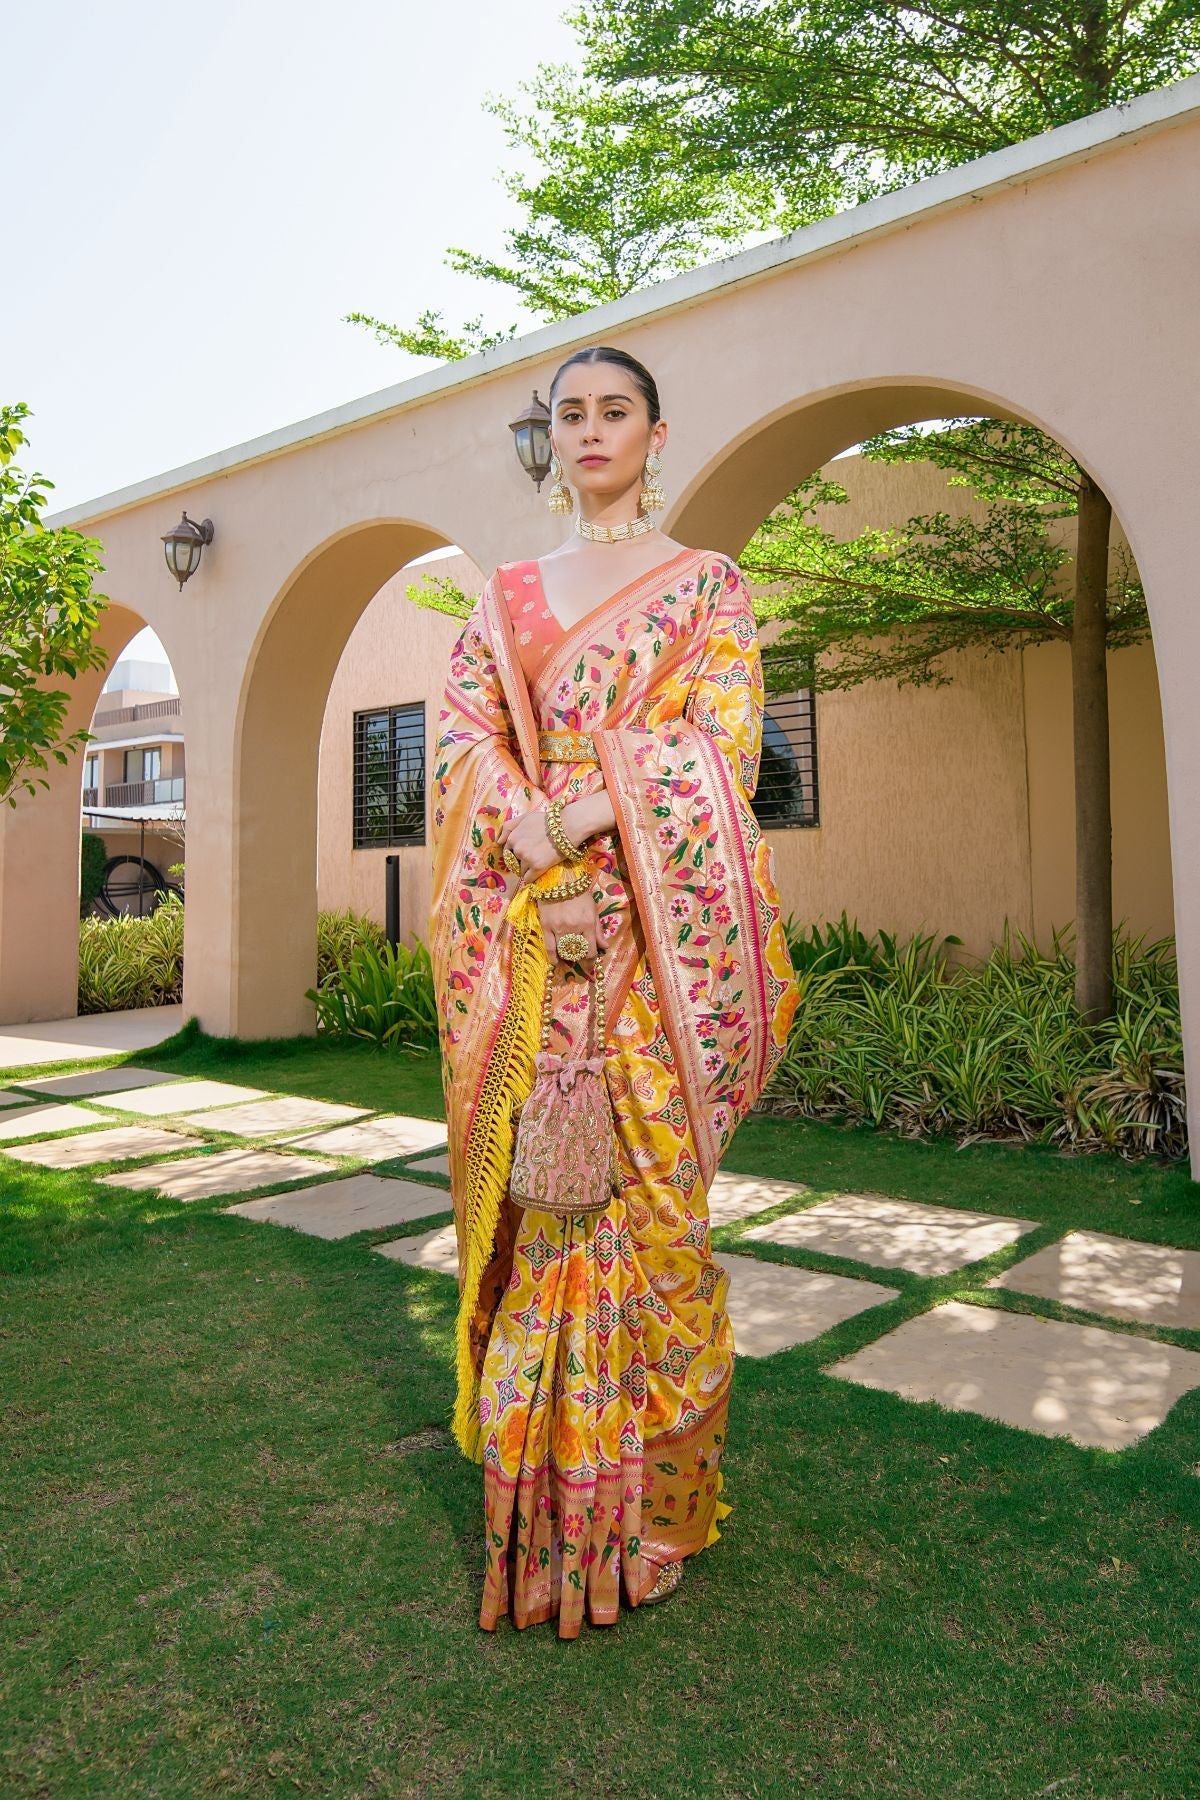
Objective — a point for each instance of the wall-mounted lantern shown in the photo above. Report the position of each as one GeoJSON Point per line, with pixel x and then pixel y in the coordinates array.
{"type": "Point", "coordinates": [532, 432]}
{"type": "Point", "coordinates": [183, 544]}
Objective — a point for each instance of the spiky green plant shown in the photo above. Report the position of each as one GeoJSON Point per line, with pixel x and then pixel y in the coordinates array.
{"type": "Point", "coordinates": [380, 994]}
{"type": "Point", "coordinates": [130, 960]}
{"type": "Point", "coordinates": [895, 1035]}
{"type": "Point", "coordinates": [339, 933]}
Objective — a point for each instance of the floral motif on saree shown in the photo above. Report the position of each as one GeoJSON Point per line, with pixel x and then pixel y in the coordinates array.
{"type": "Point", "coordinates": [595, 1355]}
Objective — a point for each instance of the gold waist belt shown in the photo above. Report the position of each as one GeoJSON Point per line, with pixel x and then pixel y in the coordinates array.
{"type": "Point", "coordinates": [566, 746]}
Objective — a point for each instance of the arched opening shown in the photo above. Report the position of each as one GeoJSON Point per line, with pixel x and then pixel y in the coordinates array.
{"type": "Point", "coordinates": [377, 739]}
{"type": "Point", "coordinates": [731, 495]}
{"type": "Point", "coordinates": [40, 841]}
{"type": "Point", "coordinates": [253, 874]}
{"type": "Point", "coordinates": [947, 809]}
{"type": "Point", "coordinates": [134, 786]}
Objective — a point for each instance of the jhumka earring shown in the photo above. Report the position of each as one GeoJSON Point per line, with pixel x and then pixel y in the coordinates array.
{"type": "Point", "coordinates": [560, 500]}
{"type": "Point", "coordinates": [651, 498]}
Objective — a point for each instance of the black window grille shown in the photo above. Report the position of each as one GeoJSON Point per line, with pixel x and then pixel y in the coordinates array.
{"type": "Point", "coordinates": [389, 776]}
{"type": "Point", "coordinates": [787, 773]}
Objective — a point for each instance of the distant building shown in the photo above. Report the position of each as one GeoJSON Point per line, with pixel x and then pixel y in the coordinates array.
{"type": "Point", "coordinates": [133, 777]}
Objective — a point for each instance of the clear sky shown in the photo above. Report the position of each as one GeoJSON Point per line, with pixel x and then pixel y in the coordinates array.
{"type": "Point", "coordinates": [197, 195]}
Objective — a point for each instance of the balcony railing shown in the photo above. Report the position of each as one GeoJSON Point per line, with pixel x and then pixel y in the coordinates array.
{"type": "Point", "coordinates": [140, 793]}
{"type": "Point", "coordinates": [147, 709]}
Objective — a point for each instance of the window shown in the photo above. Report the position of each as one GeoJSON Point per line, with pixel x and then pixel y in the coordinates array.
{"type": "Point", "coordinates": [389, 776]}
{"type": "Point", "coordinates": [90, 766]}
{"type": "Point", "coordinates": [787, 774]}
{"type": "Point", "coordinates": [143, 764]}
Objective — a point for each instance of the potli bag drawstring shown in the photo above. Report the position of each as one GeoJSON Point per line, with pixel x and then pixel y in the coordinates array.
{"type": "Point", "coordinates": [565, 1156]}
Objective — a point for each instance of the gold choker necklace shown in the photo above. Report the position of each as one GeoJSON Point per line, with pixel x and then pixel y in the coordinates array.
{"type": "Point", "coordinates": [611, 534]}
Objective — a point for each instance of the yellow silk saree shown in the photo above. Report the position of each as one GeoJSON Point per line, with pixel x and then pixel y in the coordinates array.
{"type": "Point", "coordinates": [595, 1354]}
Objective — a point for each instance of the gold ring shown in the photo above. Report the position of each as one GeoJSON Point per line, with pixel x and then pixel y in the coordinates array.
{"type": "Point", "coordinates": [572, 946]}
{"type": "Point", "coordinates": [512, 860]}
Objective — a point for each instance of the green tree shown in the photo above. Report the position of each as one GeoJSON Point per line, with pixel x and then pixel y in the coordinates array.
{"type": "Point", "coordinates": [48, 616]}
{"type": "Point", "coordinates": [693, 125]}
{"type": "Point", "coordinates": [835, 101]}
{"type": "Point", "coordinates": [776, 113]}
{"type": "Point", "coordinates": [895, 604]}
{"type": "Point", "coordinates": [611, 208]}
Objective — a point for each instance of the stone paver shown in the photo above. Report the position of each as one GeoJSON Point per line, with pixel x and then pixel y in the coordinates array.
{"type": "Point", "coordinates": [431, 1250]}
{"type": "Point", "coordinates": [120, 1142]}
{"type": "Point", "coordinates": [45, 1116]}
{"type": "Point", "coordinates": [1099, 1388]}
{"type": "Point", "coordinates": [771, 1307]}
{"type": "Point", "coordinates": [264, 1118]}
{"type": "Point", "coordinates": [182, 1096]}
{"type": "Point", "coordinates": [894, 1234]}
{"type": "Point", "coordinates": [335, 1209]}
{"type": "Point", "coordinates": [98, 1081]}
{"type": "Point", "coordinates": [1149, 1282]}
{"type": "Point", "coordinates": [433, 1165]}
{"type": "Point", "coordinates": [392, 1135]}
{"type": "Point", "coordinates": [225, 1172]}
{"type": "Point", "coordinates": [734, 1197]}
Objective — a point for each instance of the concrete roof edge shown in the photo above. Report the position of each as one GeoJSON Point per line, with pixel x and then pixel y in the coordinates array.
{"type": "Point", "coordinates": [1040, 155]}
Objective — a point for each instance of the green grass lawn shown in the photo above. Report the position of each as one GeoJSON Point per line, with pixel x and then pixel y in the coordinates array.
{"type": "Point", "coordinates": [241, 1559]}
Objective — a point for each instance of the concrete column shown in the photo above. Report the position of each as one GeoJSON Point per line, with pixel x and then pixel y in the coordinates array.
{"type": "Point", "coordinates": [39, 860]}
{"type": "Point", "coordinates": [252, 793]}
{"type": "Point", "coordinates": [1167, 569]}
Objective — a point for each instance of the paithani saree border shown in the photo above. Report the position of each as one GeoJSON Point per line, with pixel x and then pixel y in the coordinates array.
{"type": "Point", "coordinates": [655, 1539]}
{"type": "Point", "coordinates": [476, 1054]}
{"type": "Point", "coordinates": [660, 1544]}
{"type": "Point", "coordinates": [674, 974]}
{"type": "Point", "coordinates": [629, 598]}
{"type": "Point", "coordinates": [481, 1023]}
{"type": "Point", "coordinates": [512, 677]}
{"type": "Point", "coordinates": [677, 665]}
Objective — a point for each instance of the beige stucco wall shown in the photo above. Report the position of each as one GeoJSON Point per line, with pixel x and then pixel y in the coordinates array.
{"type": "Point", "coordinates": [1141, 834]}
{"type": "Point", "coordinates": [396, 653]}
{"type": "Point", "coordinates": [984, 289]}
{"type": "Point", "coordinates": [944, 809]}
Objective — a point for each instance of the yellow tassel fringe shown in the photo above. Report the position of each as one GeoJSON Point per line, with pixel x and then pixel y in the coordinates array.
{"type": "Point", "coordinates": [489, 1152]}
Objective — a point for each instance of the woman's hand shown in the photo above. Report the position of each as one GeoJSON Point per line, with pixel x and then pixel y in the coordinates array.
{"type": "Point", "coordinates": [578, 914]}
{"type": "Point", "coordinates": [588, 815]}
{"type": "Point", "coordinates": [528, 838]}
{"type": "Point", "coordinates": [582, 819]}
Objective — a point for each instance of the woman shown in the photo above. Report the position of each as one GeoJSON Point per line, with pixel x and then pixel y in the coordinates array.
{"type": "Point", "coordinates": [620, 676]}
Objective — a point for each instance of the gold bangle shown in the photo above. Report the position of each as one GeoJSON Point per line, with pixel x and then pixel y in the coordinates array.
{"type": "Point", "coordinates": [565, 890]}
{"type": "Point", "coordinates": [554, 830]}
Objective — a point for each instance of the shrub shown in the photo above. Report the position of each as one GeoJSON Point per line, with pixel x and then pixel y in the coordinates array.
{"type": "Point", "coordinates": [381, 994]}
{"type": "Point", "coordinates": [131, 961]}
{"type": "Point", "coordinates": [339, 935]}
{"type": "Point", "coordinates": [892, 1035]}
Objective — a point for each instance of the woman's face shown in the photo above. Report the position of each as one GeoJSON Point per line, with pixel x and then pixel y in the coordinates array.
{"type": "Point", "coordinates": [600, 428]}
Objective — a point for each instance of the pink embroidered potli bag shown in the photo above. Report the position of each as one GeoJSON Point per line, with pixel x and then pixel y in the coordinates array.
{"type": "Point", "coordinates": [565, 1158]}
